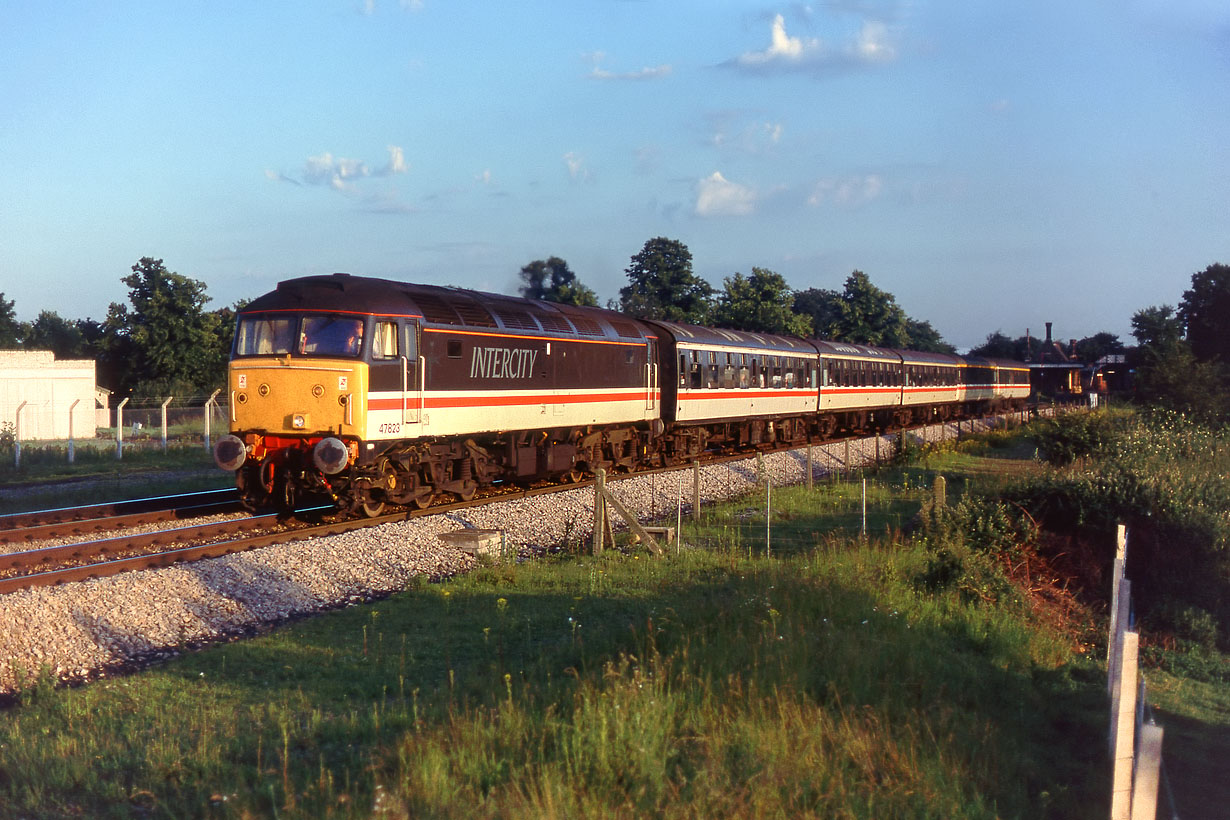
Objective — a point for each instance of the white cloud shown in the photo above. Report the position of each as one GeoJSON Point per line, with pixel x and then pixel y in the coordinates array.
{"type": "Point", "coordinates": [873, 43]}
{"type": "Point", "coordinates": [342, 173]}
{"type": "Point", "coordinates": [576, 167]}
{"type": "Point", "coordinates": [847, 191]}
{"type": "Point", "coordinates": [782, 47]}
{"type": "Point", "coordinates": [718, 196]}
{"type": "Point", "coordinates": [397, 161]}
{"type": "Point", "coordinates": [338, 173]}
{"type": "Point", "coordinates": [643, 74]}
{"type": "Point", "coordinates": [750, 137]}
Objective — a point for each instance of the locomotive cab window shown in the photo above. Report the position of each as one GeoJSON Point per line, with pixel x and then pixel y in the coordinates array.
{"type": "Point", "coordinates": [331, 336]}
{"type": "Point", "coordinates": [264, 337]}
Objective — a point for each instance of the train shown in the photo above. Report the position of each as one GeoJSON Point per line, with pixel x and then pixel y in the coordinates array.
{"type": "Point", "coordinates": [364, 392]}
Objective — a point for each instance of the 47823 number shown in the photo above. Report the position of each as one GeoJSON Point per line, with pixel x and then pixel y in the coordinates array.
{"type": "Point", "coordinates": [390, 429]}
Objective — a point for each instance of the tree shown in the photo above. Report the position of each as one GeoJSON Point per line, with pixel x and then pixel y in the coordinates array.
{"type": "Point", "coordinates": [167, 343]}
{"type": "Point", "coordinates": [553, 281]}
{"type": "Point", "coordinates": [1000, 346]}
{"type": "Point", "coordinates": [661, 284]}
{"type": "Point", "coordinates": [868, 315]}
{"type": "Point", "coordinates": [51, 332]}
{"type": "Point", "coordinates": [1169, 373]}
{"type": "Point", "coordinates": [10, 329]}
{"type": "Point", "coordinates": [1157, 326]}
{"type": "Point", "coordinates": [1205, 312]}
{"type": "Point", "coordinates": [821, 305]}
{"type": "Point", "coordinates": [760, 302]}
{"type": "Point", "coordinates": [1092, 348]}
{"type": "Point", "coordinates": [922, 336]}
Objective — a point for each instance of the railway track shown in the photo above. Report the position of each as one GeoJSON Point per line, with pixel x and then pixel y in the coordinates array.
{"type": "Point", "coordinates": [50, 565]}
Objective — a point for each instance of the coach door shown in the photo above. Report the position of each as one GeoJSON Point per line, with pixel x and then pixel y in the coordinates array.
{"type": "Point", "coordinates": [651, 375]}
{"type": "Point", "coordinates": [413, 374]}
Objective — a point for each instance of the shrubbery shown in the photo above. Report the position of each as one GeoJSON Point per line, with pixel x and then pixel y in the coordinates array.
{"type": "Point", "coordinates": [1166, 477]}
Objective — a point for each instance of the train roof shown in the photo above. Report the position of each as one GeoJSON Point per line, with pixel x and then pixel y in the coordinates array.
{"type": "Point", "coordinates": [828, 348]}
{"type": "Point", "coordinates": [711, 337]}
{"type": "Point", "coordinates": [449, 306]}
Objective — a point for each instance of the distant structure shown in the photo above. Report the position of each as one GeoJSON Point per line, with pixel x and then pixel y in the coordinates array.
{"type": "Point", "coordinates": [1055, 371]}
{"type": "Point", "coordinates": [47, 393]}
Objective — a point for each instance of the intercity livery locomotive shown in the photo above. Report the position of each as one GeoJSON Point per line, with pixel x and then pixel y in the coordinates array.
{"type": "Point", "coordinates": [362, 392]}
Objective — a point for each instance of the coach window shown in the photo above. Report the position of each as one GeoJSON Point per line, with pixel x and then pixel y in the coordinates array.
{"type": "Point", "coordinates": [745, 373]}
{"type": "Point", "coordinates": [711, 374]}
{"type": "Point", "coordinates": [698, 379]}
{"type": "Point", "coordinates": [384, 344]}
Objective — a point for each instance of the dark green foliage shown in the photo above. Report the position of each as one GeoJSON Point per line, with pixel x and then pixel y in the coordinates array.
{"type": "Point", "coordinates": [553, 281]}
{"type": "Point", "coordinates": [51, 332]}
{"type": "Point", "coordinates": [10, 328]}
{"type": "Point", "coordinates": [1065, 438]}
{"type": "Point", "coordinates": [661, 284]}
{"type": "Point", "coordinates": [1205, 311]}
{"type": "Point", "coordinates": [761, 302]}
{"type": "Point", "coordinates": [861, 313]}
{"type": "Point", "coordinates": [166, 344]}
{"type": "Point", "coordinates": [966, 542]}
{"type": "Point", "coordinates": [1168, 479]}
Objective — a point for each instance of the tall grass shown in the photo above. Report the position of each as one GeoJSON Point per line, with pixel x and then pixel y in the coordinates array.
{"type": "Point", "coordinates": [1168, 478]}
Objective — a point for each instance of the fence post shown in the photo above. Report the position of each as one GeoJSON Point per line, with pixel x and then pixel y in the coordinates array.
{"type": "Point", "coordinates": [809, 468]}
{"type": "Point", "coordinates": [17, 435]}
{"type": "Point", "coordinates": [1148, 770]}
{"type": "Point", "coordinates": [209, 404]}
{"type": "Point", "coordinates": [847, 461]}
{"type": "Point", "coordinates": [1124, 728]}
{"type": "Point", "coordinates": [119, 428]}
{"type": "Point", "coordinates": [72, 407]}
{"type": "Point", "coordinates": [940, 491]}
{"type": "Point", "coordinates": [679, 515]}
{"type": "Point", "coordinates": [599, 509]}
{"type": "Point", "coordinates": [768, 516]}
{"type": "Point", "coordinates": [696, 491]}
{"type": "Point", "coordinates": [164, 422]}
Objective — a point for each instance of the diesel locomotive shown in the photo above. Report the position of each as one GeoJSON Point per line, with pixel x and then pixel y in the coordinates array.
{"type": "Point", "coordinates": [363, 391]}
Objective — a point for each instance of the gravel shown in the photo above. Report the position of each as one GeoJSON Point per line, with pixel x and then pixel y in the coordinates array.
{"type": "Point", "coordinates": [94, 628]}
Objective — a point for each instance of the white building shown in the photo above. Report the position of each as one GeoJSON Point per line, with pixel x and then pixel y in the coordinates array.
{"type": "Point", "coordinates": [47, 392]}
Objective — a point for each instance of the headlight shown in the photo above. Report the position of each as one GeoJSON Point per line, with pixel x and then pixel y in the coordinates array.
{"type": "Point", "coordinates": [298, 421]}
{"type": "Point", "coordinates": [230, 452]}
{"type": "Point", "coordinates": [330, 455]}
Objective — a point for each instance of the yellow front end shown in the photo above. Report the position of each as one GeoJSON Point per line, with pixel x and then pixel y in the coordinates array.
{"type": "Point", "coordinates": [292, 396]}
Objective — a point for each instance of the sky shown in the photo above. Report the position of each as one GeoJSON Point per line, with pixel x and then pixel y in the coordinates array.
{"type": "Point", "coordinates": [995, 165]}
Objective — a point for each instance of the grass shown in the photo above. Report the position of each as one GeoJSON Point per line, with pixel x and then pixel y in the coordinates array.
{"type": "Point", "coordinates": [46, 480]}
{"type": "Point", "coordinates": [831, 679]}
{"type": "Point", "coordinates": [704, 684]}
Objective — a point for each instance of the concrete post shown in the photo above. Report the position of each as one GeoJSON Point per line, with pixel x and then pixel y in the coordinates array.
{"type": "Point", "coordinates": [164, 422]}
{"type": "Point", "coordinates": [209, 405]}
{"type": "Point", "coordinates": [17, 435]}
{"type": "Point", "coordinates": [119, 428]}
{"type": "Point", "coordinates": [1148, 770]}
{"type": "Point", "coordinates": [1125, 729]}
{"type": "Point", "coordinates": [71, 409]}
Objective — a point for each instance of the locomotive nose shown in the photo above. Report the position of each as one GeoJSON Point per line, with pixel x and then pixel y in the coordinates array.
{"type": "Point", "coordinates": [330, 456]}
{"type": "Point", "coordinates": [229, 453]}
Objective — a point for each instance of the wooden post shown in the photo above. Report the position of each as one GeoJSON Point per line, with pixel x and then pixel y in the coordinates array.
{"type": "Point", "coordinates": [599, 509]}
{"type": "Point", "coordinates": [940, 491]}
{"type": "Point", "coordinates": [877, 449]}
{"type": "Point", "coordinates": [1148, 769]}
{"type": "Point", "coordinates": [679, 515]}
{"type": "Point", "coordinates": [1125, 729]}
{"type": "Point", "coordinates": [809, 468]}
{"type": "Point", "coordinates": [696, 491]}
{"type": "Point", "coordinates": [768, 516]}
{"type": "Point", "coordinates": [847, 461]}
{"type": "Point", "coordinates": [761, 475]}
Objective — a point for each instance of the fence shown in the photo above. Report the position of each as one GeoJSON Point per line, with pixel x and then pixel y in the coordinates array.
{"type": "Point", "coordinates": [1135, 745]}
{"type": "Point", "coordinates": [145, 424]}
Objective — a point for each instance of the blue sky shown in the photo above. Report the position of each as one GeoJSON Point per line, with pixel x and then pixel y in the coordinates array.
{"type": "Point", "coordinates": [995, 165]}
